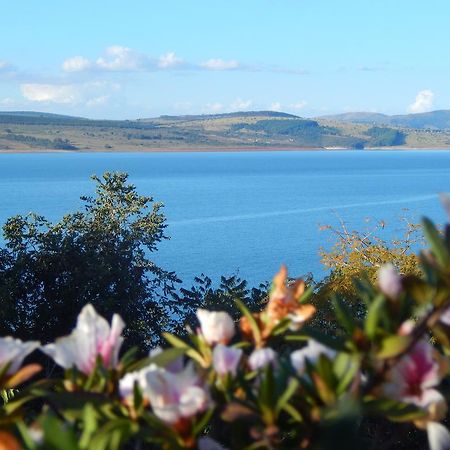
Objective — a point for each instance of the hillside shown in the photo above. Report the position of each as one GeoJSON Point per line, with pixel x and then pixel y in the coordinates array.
{"type": "Point", "coordinates": [434, 120]}
{"type": "Point", "coordinates": [30, 131]}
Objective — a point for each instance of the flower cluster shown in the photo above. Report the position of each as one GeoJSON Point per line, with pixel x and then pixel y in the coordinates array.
{"type": "Point", "coordinates": [272, 380]}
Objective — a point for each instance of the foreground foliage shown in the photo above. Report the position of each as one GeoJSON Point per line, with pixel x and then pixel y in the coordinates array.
{"type": "Point", "coordinates": [268, 381]}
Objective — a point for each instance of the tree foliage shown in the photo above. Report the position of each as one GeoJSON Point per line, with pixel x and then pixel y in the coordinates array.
{"type": "Point", "coordinates": [100, 254]}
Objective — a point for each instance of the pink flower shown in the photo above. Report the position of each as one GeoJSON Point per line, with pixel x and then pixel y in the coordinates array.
{"type": "Point", "coordinates": [414, 376]}
{"type": "Point", "coordinates": [13, 352]}
{"type": "Point", "coordinates": [226, 359]}
{"type": "Point", "coordinates": [216, 327]}
{"type": "Point", "coordinates": [389, 281]}
{"type": "Point", "coordinates": [92, 338]}
{"type": "Point", "coordinates": [174, 396]}
{"type": "Point", "coordinates": [311, 352]}
{"type": "Point", "coordinates": [260, 358]}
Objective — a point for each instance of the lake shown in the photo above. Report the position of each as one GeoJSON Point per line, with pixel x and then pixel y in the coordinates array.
{"type": "Point", "coordinates": [241, 212]}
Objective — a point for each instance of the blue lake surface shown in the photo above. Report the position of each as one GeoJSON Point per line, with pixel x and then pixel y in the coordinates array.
{"type": "Point", "coordinates": [246, 212]}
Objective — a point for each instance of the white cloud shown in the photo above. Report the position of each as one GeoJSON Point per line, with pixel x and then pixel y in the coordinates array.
{"type": "Point", "coordinates": [3, 65]}
{"type": "Point", "coordinates": [299, 105]}
{"type": "Point", "coordinates": [92, 94]}
{"type": "Point", "coordinates": [8, 102]}
{"type": "Point", "coordinates": [49, 93]}
{"type": "Point", "coordinates": [169, 60]}
{"type": "Point", "coordinates": [76, 64]}
{"type": "Point", "coordinates": [183, 106]}
{"type": "Point", "coordinates": [97, 101]}
{"type": "Point", "coordinates": [275, 106]}
{"type": "Point", "coordinates": [213, 107]}
{"type": "Point", "coordinates": [219, 64]}
{"type": "Point", "coordinates": [424, 102]}
{"type": "Point", "coordinates": [120, 58]}
{"type": "Point", "coordinates": [241, 105]}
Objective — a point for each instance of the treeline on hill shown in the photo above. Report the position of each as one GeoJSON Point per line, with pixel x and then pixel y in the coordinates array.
{"type": "Point", "coordinates": [309, 132]}
{"type": "Point", "coordinates": [56, 144]}
{"type": "Point", "coordinates": [302, 131]}
{"type": "Point", "coordinates": [384, 137]}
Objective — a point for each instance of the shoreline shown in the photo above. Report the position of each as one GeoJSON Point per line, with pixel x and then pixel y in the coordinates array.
{"type": "Point", "coordinates": [216, 150]}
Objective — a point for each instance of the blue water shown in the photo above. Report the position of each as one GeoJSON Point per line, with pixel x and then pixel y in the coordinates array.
{"type": "Point", "coordinates": [245, 212]}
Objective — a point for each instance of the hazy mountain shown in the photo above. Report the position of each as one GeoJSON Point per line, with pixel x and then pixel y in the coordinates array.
{"type": "Point", "coordinates": [434, 120]}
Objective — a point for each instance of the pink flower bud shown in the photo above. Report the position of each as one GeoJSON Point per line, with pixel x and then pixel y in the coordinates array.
{"type": "Point", "coordinates": [311, 352]}
{"type": "Point", "coordinates": [389, 281]}
{"type": "Point", "coordinates": [216, 327]}
{"type": "Point", "coordinates": [226, 359]}
{"type": "Point", "coordinates": [261, 358]}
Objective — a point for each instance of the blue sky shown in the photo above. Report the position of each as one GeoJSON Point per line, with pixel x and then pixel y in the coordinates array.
{"type": "Point", "coordinates": [143, 58]}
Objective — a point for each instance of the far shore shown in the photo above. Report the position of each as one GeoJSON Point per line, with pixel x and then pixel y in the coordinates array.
{"type": "Point", "coordinates": [211, 149]}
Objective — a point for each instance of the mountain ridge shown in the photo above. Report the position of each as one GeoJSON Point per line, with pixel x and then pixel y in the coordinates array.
{"type": "Point", "coordinates": [437, 120]}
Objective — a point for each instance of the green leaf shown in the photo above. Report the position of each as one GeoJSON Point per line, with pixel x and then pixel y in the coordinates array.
{"type": "Point", "coordinates": [162, 359]}
{"type": "Point", "coordinates": [344, 315]}
{"type": "Point", "coordinates": [180, 344]}
{"type": "Point", "coordinates": [290, 390]}
{"type": "Point", "coordinates": [90, 425]}
{"type": "Point", "coordinates": [436, 243]}
{"type": "Point", "coordinates": [345, 368]}
{"type": "Point", "coordinates": [306, 295]}
{"type": "Point", "coordinates": [394, 410]}
{"type": "Point", "coordinates": [293, 412]}
{"type": "Point", "coordinates": [251, 320]}
{"type": "Point", "coordinates": [57, 436]}
{"type": "Point", "coordinates": [393, 346]}
{"type": "Point", "coordinates": [374, 315]}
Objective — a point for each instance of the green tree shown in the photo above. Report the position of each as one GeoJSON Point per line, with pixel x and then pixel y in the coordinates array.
{"type": "Point", "coordinates": [99, 254]}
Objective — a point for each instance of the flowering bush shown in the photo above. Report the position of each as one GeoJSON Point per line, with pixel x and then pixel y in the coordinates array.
{"type": "Point", "coordinates": [268, 381]}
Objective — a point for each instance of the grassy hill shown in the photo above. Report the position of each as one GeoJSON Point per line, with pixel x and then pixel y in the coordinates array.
{"type": "Point", "coordinates": [434, 120]}
{"type": "Point", "coordinates": [28, 131]}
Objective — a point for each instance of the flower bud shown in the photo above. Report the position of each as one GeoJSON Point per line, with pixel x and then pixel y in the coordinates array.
{"type": "Point", "coordinates": [261, 358]}
{"type": "Point", "coordinates": [216, 327]}
{"type": "Point", "coordinates": [389, 281]}
{"type": "Point", "coordinates": [226, 359]}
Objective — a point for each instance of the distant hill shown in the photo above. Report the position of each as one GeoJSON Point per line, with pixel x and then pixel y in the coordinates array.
{"type": "Point", "coordinates": [244, 114]}
{"type": "Point", "coordinates": [29, 131]}
{"type": "Point", "coordinates": [434, 120]}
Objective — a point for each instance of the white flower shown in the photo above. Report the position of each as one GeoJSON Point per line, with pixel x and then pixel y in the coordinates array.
{"type": "Point", "coordinates": [13, 352]}
{"type": "Point", "coordinates": [92, 338]}
{"type": "Point", "coordinates": [174, 396]}
{"type": "Point", "coordinates": [389, 281]}
{"type": "Point", "coordinates": [216, 327]}
{"type": "Point", "coordinates": [226, 359]}
{"type": "Point", "coordinates": [438, 436]}
{"type": "Point", "coordinates": [311, 352]}
{"type": "Point", "coordinates": [261, 358]}
{"type": "Point", "coordinates": [126, 384]}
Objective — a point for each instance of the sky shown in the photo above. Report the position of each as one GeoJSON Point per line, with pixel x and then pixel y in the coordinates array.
{"type": "Point", "coordinates": [144, 58]}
